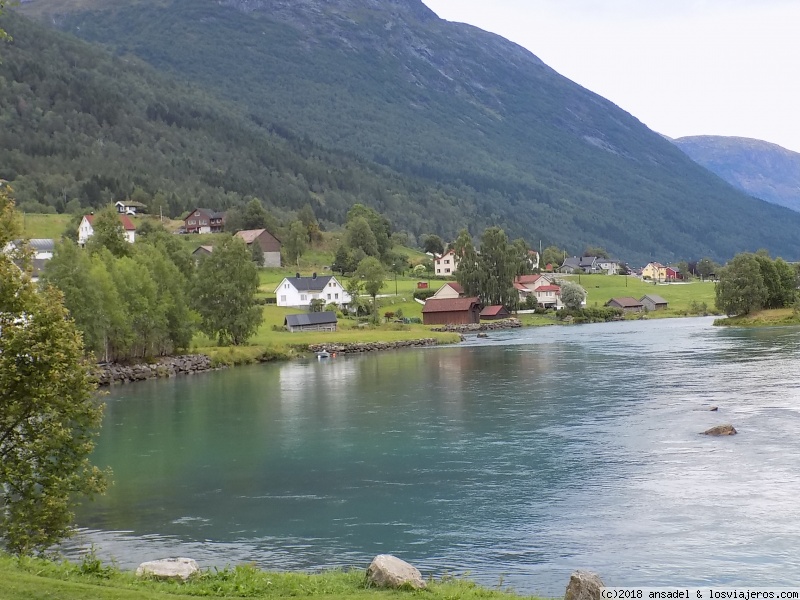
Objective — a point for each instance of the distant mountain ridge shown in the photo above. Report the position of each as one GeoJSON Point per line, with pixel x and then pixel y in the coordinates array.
{"type": "Point", "coordinates": [506, 139]}
{"type": "Point", "coordinates": [761, 169]}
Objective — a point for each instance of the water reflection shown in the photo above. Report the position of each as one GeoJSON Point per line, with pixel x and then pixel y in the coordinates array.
{"type": "Point", "coordinates": [525, 455]}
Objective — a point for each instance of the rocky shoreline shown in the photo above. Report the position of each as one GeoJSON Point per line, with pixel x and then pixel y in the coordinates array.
{"type": "Point", "coordinates": [511, 323]}
{"type": "Point", "coordinates": [356, 348]}
{"type": "Point", "coordinates": [169, 366]}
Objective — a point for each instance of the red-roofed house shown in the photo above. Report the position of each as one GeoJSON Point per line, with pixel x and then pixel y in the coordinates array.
{"type": "Point", "coordinates": [451, 311]}
{"type": "Point", "coordinates": [541, 287]}
{"type": "Point", "coordinates": [451, 289]}
{"type": "Point", "coordinates": [86, 230]}
{"type": "Point", "coordinates": [548, 296]}
{"type": "Point", "coordinates": [494, 313]}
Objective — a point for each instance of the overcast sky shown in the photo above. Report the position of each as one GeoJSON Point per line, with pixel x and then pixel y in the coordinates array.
{"type": "Point", "coordinates": [682, 67]}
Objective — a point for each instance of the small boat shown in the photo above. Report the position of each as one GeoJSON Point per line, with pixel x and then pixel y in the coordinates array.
{"type": "Point", "coordinates": [323, 354]}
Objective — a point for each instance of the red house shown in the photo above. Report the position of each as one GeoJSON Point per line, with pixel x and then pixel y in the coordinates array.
{"type": "Point", "coordinates": [451, 311]}
{"type": "Point", "coordinates": [495, 313]}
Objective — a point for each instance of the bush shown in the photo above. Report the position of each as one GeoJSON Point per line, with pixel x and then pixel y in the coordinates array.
{"type": "Point", "coordinates": [424, 294]}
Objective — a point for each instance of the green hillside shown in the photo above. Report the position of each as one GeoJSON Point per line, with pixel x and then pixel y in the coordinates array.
{"type": "Point", "coordinates": [80, 125]}
{"type": "Point", "coordinates": [471, 129]}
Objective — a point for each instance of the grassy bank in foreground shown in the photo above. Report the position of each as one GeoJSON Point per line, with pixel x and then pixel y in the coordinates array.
{"type": "Point", "coordinates": [27, 579]}
{"type": "Point", "coordinates": [779, 317]}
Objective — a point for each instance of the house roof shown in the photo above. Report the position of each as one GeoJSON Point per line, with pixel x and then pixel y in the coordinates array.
{"type": "Point", "coordinates": [208, 249]}
{"type": "Point", "coordinates": [520, 287]}
{"type": "Point", "coordinates": [654, 299]}
{"type": "Point", "coordinates": [625, 302]}
{"type": "Point", "coordinates": [579, 262]}
{"type": "Point", "coordinates": [455, 285]}
{"type": "Point", "coordinates": [132, 203]}
{"type": "Point", "coordinates": [448, 253]}
{"type": "Point", "coordinates": [548, 288]}
{"type": "Point", "coordinates": [127, 224]}
{"type": "Point", "coordinates": [314, 318]}
{"type": "Point", "coordinates": [33, 266]}
{"type": "Point", "coordinates": [212, 214]}
{"type": "Point", "coordinates": [494, 310]}
{"type": "Point", "coordinates": [449, 304]}
{"type": "Point", "coordinates": [656, 265]}
{"type": "Point", "coordinates": [308, 284]}
{"type": "Point", "coordinates": [37, 244]}
{"type": "Point", "coordinates": [527, 278]}
{"type": "Point", "coordinates": [250, 235]}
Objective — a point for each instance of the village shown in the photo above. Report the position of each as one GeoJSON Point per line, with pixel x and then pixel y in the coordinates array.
{"type": "Point", "coordinates": [431, 293]}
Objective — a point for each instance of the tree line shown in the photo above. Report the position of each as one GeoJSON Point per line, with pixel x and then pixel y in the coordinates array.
{"type": "Point", "coordinates": [751, 282]}
{"type": "Point", "coordinates": [134, 301]}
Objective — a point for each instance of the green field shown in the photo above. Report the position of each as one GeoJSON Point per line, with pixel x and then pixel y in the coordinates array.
{"type": "Point", "coordinates": [31, 579]}
{"type": "Point", "coordinates": [44, 226]}
{"type": "Point", "coordinates": [601, 288]}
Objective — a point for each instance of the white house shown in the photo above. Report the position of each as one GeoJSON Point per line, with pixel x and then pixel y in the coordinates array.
{"type": "Point", "coordinates": [451, 289]}
{"type": "Point", "coordinates": [129, 207]}
{"type": "Point", "coordinates": [300, 291]}
{"type": "Point", "coordinates": [85, 229]}
{"type": "Point", "coordinates": [446, 264]}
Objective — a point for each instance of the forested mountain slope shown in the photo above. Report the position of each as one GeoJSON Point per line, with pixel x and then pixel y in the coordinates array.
{"type": "Point", "coordinates": [508, 140]}
{"type": "Point", "coordinates": [759, 168]}
{"type": "Point", "coordinates": [80, 125]}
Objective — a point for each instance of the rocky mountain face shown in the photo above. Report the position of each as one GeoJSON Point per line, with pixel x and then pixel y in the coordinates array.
{"type": "Point", "coordinates": [758, 168]}
{"type": "Point", "coordinates": [479, 117]}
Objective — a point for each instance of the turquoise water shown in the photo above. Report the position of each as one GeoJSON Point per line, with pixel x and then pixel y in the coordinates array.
{"type": "Point", "coordinates": [518, 458]}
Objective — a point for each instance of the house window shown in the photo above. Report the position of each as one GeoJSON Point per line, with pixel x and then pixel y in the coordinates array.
{"type": "Point", "coordinates": [329, 296]}
{"type": "Point", "coordinates": [283, 298]}
{"type": "Point", "coordinates": [336, 296]}
{"type": "Point", "coordinates": [303, 297]}
{"type": "Point", "coordinates": [447, 270]}
{"type": "Point", "coordinates": [447, 262]}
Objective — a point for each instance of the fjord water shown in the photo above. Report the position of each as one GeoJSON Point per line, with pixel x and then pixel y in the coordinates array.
{"type": "Point", "coordinates": [517, 458]}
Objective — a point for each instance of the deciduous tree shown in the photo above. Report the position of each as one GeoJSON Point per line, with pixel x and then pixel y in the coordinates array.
{"type": "Point", "coordinates": [371, 274]}
{"type": "Point", "coordinates": [48, 412]}
{"type": "Point", "coordinates": [741, 289]}
{"type": "Point", "coordinates": [225, 293]}
{"type": "Point", "coordinates": [295, 243]}
{"type": "Point", "coordinates": [572, 295]}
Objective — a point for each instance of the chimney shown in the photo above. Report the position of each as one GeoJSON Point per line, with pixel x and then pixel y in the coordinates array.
{"type": "Point", "coordinates": [313, 276]}
{"type": "Point", "coordinates": [297, 275]}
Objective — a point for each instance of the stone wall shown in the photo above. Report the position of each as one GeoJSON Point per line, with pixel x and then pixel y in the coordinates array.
{"type": "Point", "coordinates": [370, 346]}
{"type": "Point", "coordinates": [511, 323]}
{"type": "Point", "coordinates": [112, 373]}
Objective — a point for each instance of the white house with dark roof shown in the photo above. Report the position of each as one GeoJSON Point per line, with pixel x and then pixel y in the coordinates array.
{"type": "Point", "coordinates": [300, 291]}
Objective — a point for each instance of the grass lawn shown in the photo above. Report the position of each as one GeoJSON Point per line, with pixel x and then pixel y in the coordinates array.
{"type": "Point", "coordinates": [33, 579]}
{"type": "Point", "coordinates": [271, 343]}
{"type": "Point", "coordinates": [601, 288]}
{"type": "Point", "coordinates": [764, 318]}
{"type": "Point", "coordinates": [44, 226]}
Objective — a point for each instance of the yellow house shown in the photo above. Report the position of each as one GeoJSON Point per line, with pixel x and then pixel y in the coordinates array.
{"type": "Point", "coordinates": [655, 271]}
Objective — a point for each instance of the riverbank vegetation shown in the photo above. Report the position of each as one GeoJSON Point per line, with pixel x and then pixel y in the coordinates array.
{"type": "Point", "coordinates": [26, 578]}
{"type": "Point", "coordinates": [752, 282]}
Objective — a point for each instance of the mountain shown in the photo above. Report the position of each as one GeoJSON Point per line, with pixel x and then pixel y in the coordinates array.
{"type": "Point", "coordinates": [80, 125]}
{"type": "Point", "coordinates": [501, 138]}
{"type": "Point", "coordinates": [758, 168]}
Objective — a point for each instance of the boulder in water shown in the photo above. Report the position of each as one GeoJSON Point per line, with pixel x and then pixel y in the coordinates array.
{"type": "Point", "coordinates": [721, 430]}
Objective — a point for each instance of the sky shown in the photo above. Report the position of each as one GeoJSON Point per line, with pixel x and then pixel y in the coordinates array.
{"type": "Point", "coordinates": [682, 67]}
